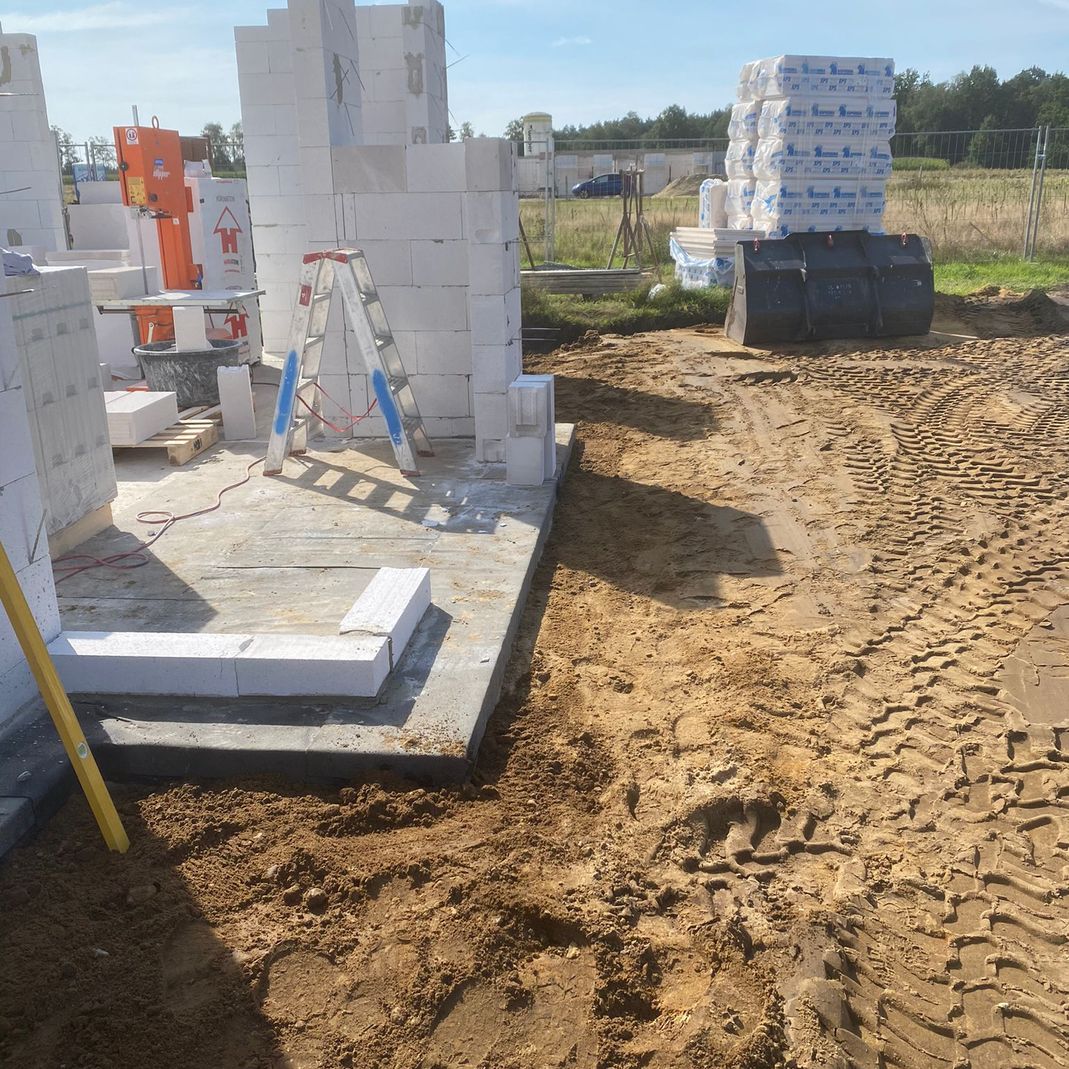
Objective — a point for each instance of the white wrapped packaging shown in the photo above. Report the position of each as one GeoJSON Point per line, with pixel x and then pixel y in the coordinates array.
{"type": "Point", "coordinates": [804, 157]}
{"type": "Point", "coordinates": [712, 204]}
{"type": "Point", "coordinates": [744, 120]}
{"type": "Point", "coordinates": [788, 76]}
{"type": "Point", "coordinates": [835, 117]}
{"type": "Point", "coordinates": [739, 160]}
{"type": "Point", "coordinates": [791, 206]}
{"type": "Point", "coordinates": [739, 202]}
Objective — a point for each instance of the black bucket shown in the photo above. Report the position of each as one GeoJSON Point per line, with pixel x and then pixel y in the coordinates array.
{"type": "Point", "coordinates": [847, 284]}
{"type": "Point", "coordinates": [191, 375]}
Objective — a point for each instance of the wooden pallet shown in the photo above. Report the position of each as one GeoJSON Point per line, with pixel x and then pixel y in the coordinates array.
{"type": "Point", "coordinates": [183, 440]}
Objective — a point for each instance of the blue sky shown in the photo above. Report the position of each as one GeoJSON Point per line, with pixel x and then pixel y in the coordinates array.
{"type": "Point", "coordinates": [578, 61]}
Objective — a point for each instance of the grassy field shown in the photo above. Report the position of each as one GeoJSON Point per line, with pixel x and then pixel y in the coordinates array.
{"type": "Point", "coordinates": [968, 215]}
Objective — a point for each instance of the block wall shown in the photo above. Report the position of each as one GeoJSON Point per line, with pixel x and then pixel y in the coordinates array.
{"type": "Point", "coordinates": [20, 524]}
{"type": "Point", "coordinates": [402, 67]}
{"type": "Point", "coordinates": [439, 222]}
{"type": "Point", "coordinates": [32, 214]}
{"type": "Point", "coordinates": [56, 347]}
{"type": "Point", "coordinates": [439, 226]}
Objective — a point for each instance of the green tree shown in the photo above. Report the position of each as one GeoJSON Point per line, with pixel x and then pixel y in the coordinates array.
{"type": "Point", "coordinates": [467, 131]}
{"type": "Point", "coordinates": [237, 146]}
{"type": "Point", "coordinates": [102, 152]}
{"type": "Point", "coordinates": [219, 144]}
{"type": "Point", "coordinates": [68, 151]}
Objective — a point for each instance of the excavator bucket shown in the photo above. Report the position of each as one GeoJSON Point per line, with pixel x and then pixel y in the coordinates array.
{"type": "Point", "coordinates": [847, 284]}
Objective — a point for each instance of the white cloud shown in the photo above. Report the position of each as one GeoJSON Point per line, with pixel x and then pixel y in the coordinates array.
{"type": "Point", "coordinates": [565, 42]}
{"type": "Point", "coordinates": [114, 15]}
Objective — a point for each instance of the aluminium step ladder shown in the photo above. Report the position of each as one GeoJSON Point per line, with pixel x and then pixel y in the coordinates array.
{"type": "Point", "coordinates": [300, 373]}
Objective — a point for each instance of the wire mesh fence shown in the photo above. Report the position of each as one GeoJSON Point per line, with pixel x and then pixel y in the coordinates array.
{"type": "Point", "coordinates": [972, 192]}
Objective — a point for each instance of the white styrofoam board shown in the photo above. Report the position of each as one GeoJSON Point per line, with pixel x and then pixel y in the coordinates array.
{"type": "Point", "coordinates": [235, 397]}
{"type": "Point", "coordinates": [391, 605]}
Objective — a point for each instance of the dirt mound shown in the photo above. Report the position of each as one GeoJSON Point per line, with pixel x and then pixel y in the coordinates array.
{"type": "Point", "coordinates": [994, 312]}
{"type": "Point", "coordinates": [779, 776]}
{"type": "Point", "coordinates": [688, 185]}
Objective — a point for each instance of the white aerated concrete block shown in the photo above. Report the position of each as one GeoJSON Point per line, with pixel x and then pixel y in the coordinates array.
{"type": "Point", "coordinates": [495, 320]}
{"type": "Point", "coordinates": [525, 462]}
{"type": "Point", "coordinates": [439, 263]}
{"type": "Point", "coordinates": [491, 415]}
{"type": "Point", "coordinates": [412, 216]}
{"type": "Point", "coordinates": [235, 396]}
{"type": "Point", "coordinates": [494, 367]}
{"type": "Point", "coordinates": [490, 165]}
{"type": "Point", "coordinates": [437, 168]}
{"type": "Point", "coordinates": [369, 169]}
{"type": "Point", "coordinates": [441, 395]}
{"type": "Point", "coordinates": [494, 269]}
{"type": "Point", "coordinates": [391, 606]}
{"type": "Point", "coordinates": [492, 218]}
{"type": "Point", "coordinates": [126, 662]}
{"type": "Point", "coordinates": [442, 352]}
{"type": "Point", "coordinates": [136, 415]}
{"type": "Point", "coordinates": [305, 665]}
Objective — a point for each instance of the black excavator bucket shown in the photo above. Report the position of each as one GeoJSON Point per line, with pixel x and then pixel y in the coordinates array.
{"type": "Point", "coordinates": [847, 284]}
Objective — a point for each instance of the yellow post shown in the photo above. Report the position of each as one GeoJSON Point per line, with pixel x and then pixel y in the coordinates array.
{"type": "Point", "coordinates": [59, 705]}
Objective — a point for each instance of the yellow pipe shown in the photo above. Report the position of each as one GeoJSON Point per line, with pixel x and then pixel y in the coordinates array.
{"type": "Point", "coordinates": [59, 705]}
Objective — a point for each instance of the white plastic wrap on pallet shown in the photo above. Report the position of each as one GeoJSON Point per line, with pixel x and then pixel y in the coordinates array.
{"type": "Point", "coordinates": [712, 204]}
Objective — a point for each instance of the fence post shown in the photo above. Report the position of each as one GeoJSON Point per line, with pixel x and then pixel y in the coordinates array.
{"type": "Point", "coordinates": [1039, 192]}
{"type": "Point", "coordinates": [1035, 197]}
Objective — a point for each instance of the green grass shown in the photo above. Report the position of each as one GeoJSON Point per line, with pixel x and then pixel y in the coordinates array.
{"type": "Point", "coordinates": [962, 277]}
{"type": "Point", "coordinates": [920, 163]}
{"type": "Point", "coordinates": [622, 313]}
{"type": "Point", "coordinates": [634, 313]}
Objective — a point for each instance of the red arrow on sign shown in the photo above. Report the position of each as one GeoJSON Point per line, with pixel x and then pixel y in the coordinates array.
{"type": "Point", "coordinates": [228, 231]}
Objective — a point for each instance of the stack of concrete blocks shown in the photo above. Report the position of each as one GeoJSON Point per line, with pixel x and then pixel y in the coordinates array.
{"type": "Point", "coordinates": [63, 393]}
{"type": "Point", "coordinates": [439, 222]}
{"type": "Point", "coordinates": [531, 446]}
{"type": "Point", "coordinates": [439, 225]}
{"type": "Point", "coordinates": [31, 208]}
{"type": "Point", "coordinates": [402, 67]}
{"type": "Point", "coordinates": [21, 524]}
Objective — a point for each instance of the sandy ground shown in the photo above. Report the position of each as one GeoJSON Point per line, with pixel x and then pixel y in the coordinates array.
{"type": "Point", "coordinates": [780, 778]}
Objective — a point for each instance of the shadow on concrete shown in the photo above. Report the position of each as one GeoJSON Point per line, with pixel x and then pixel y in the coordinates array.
{"type": "Point", "coordinates": [591, 400]}
{"type": "Point", "coordinates": [452, 503]}
{"type": "Point", "coordinates": [657, 543]}
{"type": "Point", "coordinates": [135, 973]}
{"type": "Point", "coordinates": [149, 598]}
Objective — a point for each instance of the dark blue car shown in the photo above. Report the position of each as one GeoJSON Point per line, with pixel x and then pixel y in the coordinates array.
{"type": "Point", "coordinates": [603, 185]}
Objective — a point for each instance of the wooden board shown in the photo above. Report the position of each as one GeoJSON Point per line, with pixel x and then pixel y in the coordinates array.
{"type": "Point", "coordinates": [184, 440]}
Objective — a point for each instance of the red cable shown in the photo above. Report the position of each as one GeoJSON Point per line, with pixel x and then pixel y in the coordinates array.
{"type": "Point", "coordinates": [136, 558]}
{"type": "Point", "coordinates": [168, 519]}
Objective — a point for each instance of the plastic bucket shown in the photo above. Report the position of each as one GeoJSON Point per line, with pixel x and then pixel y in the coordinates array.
{"type": "Point", "coordinates": [191, 375]}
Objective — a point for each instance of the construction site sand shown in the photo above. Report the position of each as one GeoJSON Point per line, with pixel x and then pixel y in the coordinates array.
{"type": "Point", "coordinates": [780, 777]}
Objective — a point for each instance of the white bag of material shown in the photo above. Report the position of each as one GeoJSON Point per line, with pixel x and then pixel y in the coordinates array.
{"type": "Point", "coordinates": [747, 76]}
{"type": "Point", "coordinates": [828, 117]}
{"type": "Point", "coordinates": [787, 76]}
{"type": "Point", "coordinates": [744, 120]}
{"type": "Point", "coordinates": [739, 202]}
{"type": "Point", "coordinates": [739, 159]}
{"type": "Point", "coordinates": [712, 204]}
{"type": "Point", "coordinates": [817, 205]}
{"type": "Point", "coordinates": [804, 157]}
{"type": "Point", "coordinates": [694, 273]}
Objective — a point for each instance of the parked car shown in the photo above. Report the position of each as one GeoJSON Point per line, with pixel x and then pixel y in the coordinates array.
{"type": "Point", "coordinates": [602, 185]}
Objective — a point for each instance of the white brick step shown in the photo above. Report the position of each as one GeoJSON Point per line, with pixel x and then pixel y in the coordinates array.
{"type": "Point", "coordinates": [354, 663]}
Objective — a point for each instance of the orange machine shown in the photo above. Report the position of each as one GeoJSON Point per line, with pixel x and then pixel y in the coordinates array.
{"type": "Point", "coordinates": [152, 177]}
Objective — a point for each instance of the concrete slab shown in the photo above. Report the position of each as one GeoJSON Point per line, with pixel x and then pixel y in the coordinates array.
{"type": "Point", "coordinates": [289, 555]}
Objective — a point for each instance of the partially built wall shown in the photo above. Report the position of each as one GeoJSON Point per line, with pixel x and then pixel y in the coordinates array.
{"type": "Point", "coordinates": [344, 114]}
{"type": "Point", "coordinates": [31, 196]}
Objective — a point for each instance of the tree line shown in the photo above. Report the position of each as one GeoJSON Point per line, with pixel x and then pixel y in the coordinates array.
{"type": "Point", "coordinates": [227, 149]}
{"type": "Point", "coordinates": [976, 101]}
